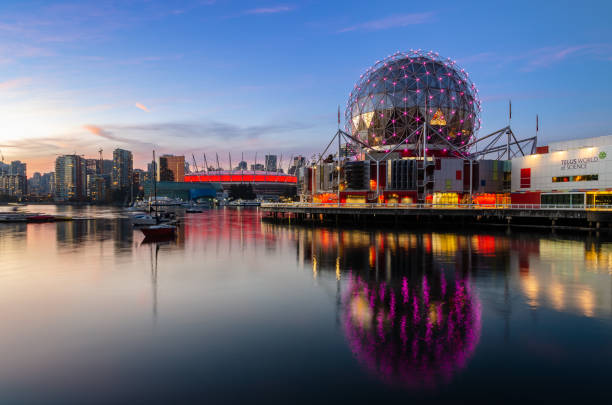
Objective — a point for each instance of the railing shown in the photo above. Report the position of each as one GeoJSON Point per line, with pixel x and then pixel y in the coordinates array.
{"type": "Point", "coordinates": [543, 207]}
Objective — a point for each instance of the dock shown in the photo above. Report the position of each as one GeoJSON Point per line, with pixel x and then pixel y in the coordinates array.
{"type": "Point", "coordinates": [455, 215]}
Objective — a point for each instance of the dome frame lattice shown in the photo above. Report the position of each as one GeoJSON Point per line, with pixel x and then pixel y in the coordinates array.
{"type": "Point", "coordinates": [397, 95]}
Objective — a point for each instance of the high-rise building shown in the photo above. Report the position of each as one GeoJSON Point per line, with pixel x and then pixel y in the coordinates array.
{"type": "Point", "coordinates": [13, 185]}
{"type": "Point", "coordinates": [70, 178]}
{"type": "Point", "coordinates": [96, 188]}
{"type": "Point", "coordinates": [171, 168]}
{"type": "Point", "coordinates": [257, 166]}
{"type": "Point", "coordinates": [16, 167]}
{"type": "Point", "coordinates": [4, 168]}
{"type": "Point", "coordinates": [298, 161]}
{"type": "Point", "coordinates": [94, 166]}
{"type": "Point", "coordinates": [47, 184]}
{"type": "Point", "coordinates": [270, 161]}
{"type": "Point", "coordinates": [121, 176]}
{"type": "Point", "coordinates": [107, 166]}
{"type": "Point", "coordinates": [242, 165]}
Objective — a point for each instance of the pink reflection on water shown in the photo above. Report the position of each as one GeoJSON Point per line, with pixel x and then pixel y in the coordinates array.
{"type": "Point", "coordinates": [438, 329]}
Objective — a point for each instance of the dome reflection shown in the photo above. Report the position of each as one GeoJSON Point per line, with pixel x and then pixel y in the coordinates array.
{"type": "Point", "coordinates": [415, 334]}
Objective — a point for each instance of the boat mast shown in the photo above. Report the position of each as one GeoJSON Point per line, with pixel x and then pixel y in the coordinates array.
{"type": "Point", "coordinates": [155, 185]}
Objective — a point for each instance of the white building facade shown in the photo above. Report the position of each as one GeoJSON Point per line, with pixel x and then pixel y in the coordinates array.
{"type": "Point", "coordinates": [575, 172]}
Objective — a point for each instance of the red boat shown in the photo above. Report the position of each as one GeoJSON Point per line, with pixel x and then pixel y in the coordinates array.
{"type": "Point", "coordinates": [40, 218]}
{"type": "Point", "coordinates": [159, 231]}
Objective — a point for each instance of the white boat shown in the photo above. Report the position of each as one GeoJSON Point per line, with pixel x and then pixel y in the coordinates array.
{"type": "Point", "coordinates": [143, 219]}
{"type": "Point", "coordinates": [164, 201]}
{"type": "Point", "coordinates": [244, 203]}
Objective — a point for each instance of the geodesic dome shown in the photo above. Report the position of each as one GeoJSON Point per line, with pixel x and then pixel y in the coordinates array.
{"type": "Point", "coordinates": [393, 98]}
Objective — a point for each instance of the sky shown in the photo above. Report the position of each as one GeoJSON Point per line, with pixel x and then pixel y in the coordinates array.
{"type": "Point", "coordinates": [218, 76]}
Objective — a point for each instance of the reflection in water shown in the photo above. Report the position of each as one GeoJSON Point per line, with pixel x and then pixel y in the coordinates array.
{"type": "Point", "coordinates": [429, 313]}
{"type": "Point", "coordinates": [405, 318]}
{"type": "Point", "coordinates": [416, 334]}
{"type": "Point", "coordinates": [408, 305]}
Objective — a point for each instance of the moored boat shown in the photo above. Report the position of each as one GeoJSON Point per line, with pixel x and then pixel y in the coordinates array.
{"type": "Point", "coordinates": [159, 231]}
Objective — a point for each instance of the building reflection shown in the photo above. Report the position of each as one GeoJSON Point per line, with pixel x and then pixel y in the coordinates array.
{"type": "Point", "coordinates": [405, 301]}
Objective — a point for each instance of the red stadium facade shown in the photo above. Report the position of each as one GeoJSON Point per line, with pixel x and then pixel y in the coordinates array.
{"type": "Point", "coordinates": [236, 176]}
{"type": "Point", "coordinates": [266, 185]}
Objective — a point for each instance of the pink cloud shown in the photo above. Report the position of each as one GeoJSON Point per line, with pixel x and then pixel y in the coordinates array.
{"type": "Point", "coordinates": [142, 107]}
{"type": "Point", "coordinates": [14, 83]}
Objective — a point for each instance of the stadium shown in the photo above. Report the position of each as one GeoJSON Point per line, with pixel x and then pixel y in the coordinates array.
{"type": "Point", "coordinates": [266, 185]}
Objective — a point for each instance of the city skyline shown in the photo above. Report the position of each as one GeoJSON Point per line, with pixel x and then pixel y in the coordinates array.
{"type": "Point", "coordinates": [268, 77]}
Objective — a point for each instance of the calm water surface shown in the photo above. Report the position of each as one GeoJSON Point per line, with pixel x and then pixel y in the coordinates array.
{"type": "Point", "coordinates": [240, 311]}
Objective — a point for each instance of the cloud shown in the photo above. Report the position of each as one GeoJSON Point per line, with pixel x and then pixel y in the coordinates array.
{"type": "Point", "coordinates": [142, 107]}
{"type": "Point", "coordinates": [14, 83]}
{"type": "Point", "coordinates": [543, 57]}
{"type": "Point", "coordinates": [547, 56]}
{"type": "Point", "coordinates": [401, 20]}
{"type": "Point", "coordinates": [165, 137]}
{"type": "Point", "coordinates": [106, 134]}
{"type": "Point", "coordinates": [270, 10]}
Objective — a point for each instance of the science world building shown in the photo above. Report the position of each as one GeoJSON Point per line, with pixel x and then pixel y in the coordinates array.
{"type": "Point", "coordinates": [411, 122]}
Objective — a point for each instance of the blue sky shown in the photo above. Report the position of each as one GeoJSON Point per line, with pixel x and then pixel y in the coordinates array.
{"type": "Point", "coordinates": [267, 76]}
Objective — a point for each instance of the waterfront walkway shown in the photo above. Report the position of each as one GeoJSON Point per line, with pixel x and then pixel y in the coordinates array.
{"type": "Point", "coordinates": [512, 214]}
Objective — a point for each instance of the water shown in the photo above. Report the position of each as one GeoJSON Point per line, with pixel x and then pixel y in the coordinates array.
{"type": "Point", "coordinates": [236, 310]}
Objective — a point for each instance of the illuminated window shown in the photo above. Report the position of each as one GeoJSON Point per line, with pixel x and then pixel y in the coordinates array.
{"type": "Point", "coordinates": [567, 179]}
